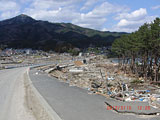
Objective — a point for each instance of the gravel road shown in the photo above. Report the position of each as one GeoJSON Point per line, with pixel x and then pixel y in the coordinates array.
{"type": "Point", "coordinates": [12, 95]}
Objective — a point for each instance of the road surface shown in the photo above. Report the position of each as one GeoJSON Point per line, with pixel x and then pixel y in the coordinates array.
{"type": "Point", "coordinates": [12, 95]}
{"type": "Point", "coordinates": [72, 103]}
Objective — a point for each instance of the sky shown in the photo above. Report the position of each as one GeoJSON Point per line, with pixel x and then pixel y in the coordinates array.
{"type": "Point", "coordinates": [104, 15]}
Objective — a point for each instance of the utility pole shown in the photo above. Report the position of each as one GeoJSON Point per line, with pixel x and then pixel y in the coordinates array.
{"type": "Point", "coordinates": [106, 82]}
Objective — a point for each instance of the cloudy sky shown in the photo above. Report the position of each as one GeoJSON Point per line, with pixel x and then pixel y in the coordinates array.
{"type": "Point", "coordinates": [106, 15]}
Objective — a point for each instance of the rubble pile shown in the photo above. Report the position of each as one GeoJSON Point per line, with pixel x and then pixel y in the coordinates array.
{"type": "Point", "coordinates": [99, 75]}
{"type": "Point", "coordinates": [79, 75]}
{"type": "Point", "coordinates": [91, 75]}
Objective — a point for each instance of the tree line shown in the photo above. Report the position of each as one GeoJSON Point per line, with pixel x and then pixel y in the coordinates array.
{"type": "Point", "coordinates": [139, 52]}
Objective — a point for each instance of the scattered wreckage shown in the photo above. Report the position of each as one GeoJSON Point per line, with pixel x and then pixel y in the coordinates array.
{"type": "Point", "coordinates": [103, 77]}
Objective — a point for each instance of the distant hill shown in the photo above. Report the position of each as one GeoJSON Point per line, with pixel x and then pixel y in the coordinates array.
{"type": "Point", "coordinates": [25, 32]}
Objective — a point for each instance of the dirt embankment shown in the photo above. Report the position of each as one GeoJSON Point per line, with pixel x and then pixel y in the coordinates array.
{"type": "Point", "coordinates": [36, 103]}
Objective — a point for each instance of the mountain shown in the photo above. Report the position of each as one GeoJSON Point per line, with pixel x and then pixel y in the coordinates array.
{"type": "Point", "coordinates": [25, 32]}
